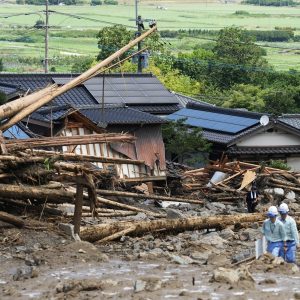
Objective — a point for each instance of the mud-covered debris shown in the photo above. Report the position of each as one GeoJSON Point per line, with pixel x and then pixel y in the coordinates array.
{"type": "Point", "coordinates": [149, 284]}
{"type": "Point", "coordinates": [84, 285]}
{"type": "Point", "coordinates": [233, 276]}
{"type": "Point", "coordinates": [25, 273]}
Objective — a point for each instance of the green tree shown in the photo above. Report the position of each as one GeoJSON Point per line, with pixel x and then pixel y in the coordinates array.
{"type": "Point", "coordinates": [82, 64]}
{"type": "Point", "coordinates": [186, 144]}
{"type": "Point", "coordinates": [1, 65]}
{"type": "Point", "coordinates": [174, 81]}
{"type": "Point", "coordinates": [194, 64]}
{"type": "Point", "coordinates": [236, 59]}
{"type": "Point", "coordinates": [245, 96]}
{"type": "Point", "coordinates": [112, 38]}
{"type": "Point", "coordinates": [39, 24]}
{"type": "Point", "coordinates": [279, 100]}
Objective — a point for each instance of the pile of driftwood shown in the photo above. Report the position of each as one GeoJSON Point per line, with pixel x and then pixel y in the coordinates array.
{"type": "Point", "coordinates": [225, 181]}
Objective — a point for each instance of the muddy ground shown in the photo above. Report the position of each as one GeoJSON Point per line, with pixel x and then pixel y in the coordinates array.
{"type": "Point", "coordinates": [43, 263]}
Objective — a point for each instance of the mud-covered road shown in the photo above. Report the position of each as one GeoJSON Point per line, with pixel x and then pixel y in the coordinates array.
{"type": "Point", "coordinates": [37, 264]}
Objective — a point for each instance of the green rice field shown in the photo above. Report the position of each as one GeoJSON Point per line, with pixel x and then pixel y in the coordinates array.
{"type": "Point", "coordinates": [73, 37]}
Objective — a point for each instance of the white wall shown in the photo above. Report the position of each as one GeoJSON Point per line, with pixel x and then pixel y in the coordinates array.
{"type": "Point", "coordinates": [275, 138]}
{"type": "Point", "coordinates": [294, 163]}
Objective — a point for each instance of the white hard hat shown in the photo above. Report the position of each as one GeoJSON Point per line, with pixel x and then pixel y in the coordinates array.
{"type": "Point", "coordinates": [272, 211]}
{"type": "Point", "coordinates": [283, 208]}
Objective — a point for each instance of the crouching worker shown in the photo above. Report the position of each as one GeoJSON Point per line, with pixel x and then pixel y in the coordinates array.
{"type": "Point", "coordinates": [290, 227]}
{"type": "Point", "coordinates": [274, 232]}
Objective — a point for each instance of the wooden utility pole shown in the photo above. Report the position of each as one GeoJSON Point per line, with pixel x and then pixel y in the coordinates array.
{"type": "Point", "coordinates": [46, 38]}
{"type": "Point", "coordinates": [139, 28]}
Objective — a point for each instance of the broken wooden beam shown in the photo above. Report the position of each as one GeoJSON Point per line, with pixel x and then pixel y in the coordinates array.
{"type": "Point", "coordinates": [54, 155]}
{"type": "Point", "coordinates": [143, 196]}
{"type": "Point", "coordinates": [99, 232]}
{"type": "Point", "coordinates": [144, 179]}
{"type": "Point", "coordinates": [11, 219]}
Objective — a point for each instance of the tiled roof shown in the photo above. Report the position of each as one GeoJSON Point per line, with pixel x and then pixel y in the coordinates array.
{"type": "Point", "coordinates": [217, 137]}
{"type": "Point", "coordinates": [8, 89]}
{"type": "Point", "coordinates": [292, 120]}
{"type": "Point", "coordinates": [160, 109]}
{"type": "Point", "coordinates": [264, 150]}
{"type": "Point", "coordinates": [184, 100]}
{"type": "Point", "coordinates": [119, 115]}
{"type": "Point", "coordinates": [113, 114]}
{"type": "Point", "coordinates": [77, 96]}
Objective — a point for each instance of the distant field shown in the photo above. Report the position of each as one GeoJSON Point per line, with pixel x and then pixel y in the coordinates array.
{"type": "Point", "coordinates": [173, 16]}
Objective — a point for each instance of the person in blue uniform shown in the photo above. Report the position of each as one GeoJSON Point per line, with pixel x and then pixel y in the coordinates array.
{"type": "Point", "coordinates": [274, 232]}
{"type": "Point", "coordinates": [292, 235]}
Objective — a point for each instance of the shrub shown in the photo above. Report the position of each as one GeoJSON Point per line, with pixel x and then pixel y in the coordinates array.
{"type": "Point", "coordinates": [279, 164]}
{"type": "Point", "coordinates": [111, 2]}
{"type": "Point", "coordinates": [242, 12]}
{"type": "Point", "coordinates": [24, 39]}
{"type": "Point", "coordinates": [271, 2]}
{"type": "Point", "coordinates": [96, 2]}
{"type": "Point", "coordinates": [39, 24]}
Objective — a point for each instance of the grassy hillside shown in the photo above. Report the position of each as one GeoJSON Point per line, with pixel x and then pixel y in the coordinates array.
{"type": "Point", "coordinates": [20, 42]}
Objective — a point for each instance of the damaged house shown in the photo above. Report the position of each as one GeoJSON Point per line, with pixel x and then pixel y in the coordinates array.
{"type": "Point", "coordinates": [244, 135]}
{"type": "Point", "coordinates": [114, 103]}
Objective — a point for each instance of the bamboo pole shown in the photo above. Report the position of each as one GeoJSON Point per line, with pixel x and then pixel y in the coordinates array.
{"type": "Point", "coordinates": [71, 84]}
{"type": "Point", "coordinates": [99, 232]}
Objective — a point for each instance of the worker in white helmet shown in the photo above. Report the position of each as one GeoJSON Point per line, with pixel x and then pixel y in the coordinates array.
{"type": "Point", "coordinates": [274, 232]}
{"type": "Point", "coordinates": [290, 227]}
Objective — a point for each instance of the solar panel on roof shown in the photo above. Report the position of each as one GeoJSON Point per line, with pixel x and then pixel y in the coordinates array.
{"type": "Point", "coordinates": [213, 121]}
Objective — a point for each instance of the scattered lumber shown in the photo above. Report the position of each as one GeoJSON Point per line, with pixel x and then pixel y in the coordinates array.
{"type": "Point", "coordinates": [99, 232]}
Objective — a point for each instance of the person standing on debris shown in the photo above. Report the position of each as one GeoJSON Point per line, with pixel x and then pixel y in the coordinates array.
{"type": "Point", "coordinates": [274, 232]}
{"type": "Point", "coordinates": [251, 199]}
{"type": "Point", "coordinates": [290, 226]}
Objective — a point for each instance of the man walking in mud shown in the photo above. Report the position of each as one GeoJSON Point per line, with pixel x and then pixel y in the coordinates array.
{"type": "Point", "coordinates": [290, 227]}
{"type": "Point", "coordinates": [274, 232]}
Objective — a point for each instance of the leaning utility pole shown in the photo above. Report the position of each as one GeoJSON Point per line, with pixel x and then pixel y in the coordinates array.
{"type": "Point", "coordinates": [46, 38]}
{"type": "Point", "coordinates": [139, 28]}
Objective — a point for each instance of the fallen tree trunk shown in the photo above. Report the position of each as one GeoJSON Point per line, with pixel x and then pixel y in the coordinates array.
{"type": "Point", "coordinates": [59, 141]}
{"type": "Point", "coordinates": [99, 232]}
{"type": "Point", "coordinates": [30, 192]}
{"type": "Point", "coordinates": [8, 218]}
{"type": "Point", "coordinates": [142, 196]}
